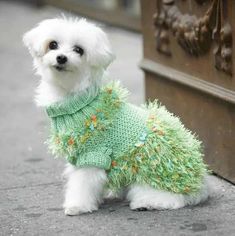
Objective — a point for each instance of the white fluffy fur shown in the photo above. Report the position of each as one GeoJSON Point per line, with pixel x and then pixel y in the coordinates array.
{"type": "Point", "coordinates": [144, 196]}
{"type": "Point", "coordinates": [85, 186]}
{"type": "Point", "coordinates": [80, 71]}
{"type": "Point", "coordinates": [84, 189]}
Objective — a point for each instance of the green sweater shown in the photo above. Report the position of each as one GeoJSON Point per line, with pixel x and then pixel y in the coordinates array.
{"type": "Point", "coordinates": [145, 145]}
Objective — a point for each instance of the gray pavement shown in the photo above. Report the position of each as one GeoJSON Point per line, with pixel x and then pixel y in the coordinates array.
{"type": "Point", "coordinates": [31, 186]}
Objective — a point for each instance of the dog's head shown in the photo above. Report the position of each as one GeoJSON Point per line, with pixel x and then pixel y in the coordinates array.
{"type": "Point", "coordinates": [68, 47]}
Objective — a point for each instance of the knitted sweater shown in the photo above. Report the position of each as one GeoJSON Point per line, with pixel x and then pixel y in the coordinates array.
{"type": "Point", "coordinates": [145, 145]}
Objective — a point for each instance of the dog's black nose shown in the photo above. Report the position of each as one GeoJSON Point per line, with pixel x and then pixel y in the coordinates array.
{"type": "Point", "coordinates": [61, 59]}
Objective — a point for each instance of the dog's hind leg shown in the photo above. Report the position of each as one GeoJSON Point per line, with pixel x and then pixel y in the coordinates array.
{"type": "Point", "coordinates": [143, 196]}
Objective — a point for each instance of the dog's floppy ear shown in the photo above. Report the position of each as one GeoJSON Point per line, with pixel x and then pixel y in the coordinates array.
{"type": "Point", "coordinates": [101, 55]}
{"type": "Point", "coordinates": [32, 41]}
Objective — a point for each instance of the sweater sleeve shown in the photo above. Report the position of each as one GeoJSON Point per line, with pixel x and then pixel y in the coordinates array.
{"type": "Point", "coordinates": [98, 158]}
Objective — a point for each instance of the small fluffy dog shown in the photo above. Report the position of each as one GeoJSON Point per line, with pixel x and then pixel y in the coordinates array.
{"type": "Point", "coordinates": [114, 149]}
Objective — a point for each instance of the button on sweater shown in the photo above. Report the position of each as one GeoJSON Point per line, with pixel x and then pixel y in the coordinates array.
{"type": "Point", "coordinates": [147, 145]}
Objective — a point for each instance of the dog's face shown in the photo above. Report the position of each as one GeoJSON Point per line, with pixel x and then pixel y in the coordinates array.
{"type": "Point", "coordinates": [68, 47]}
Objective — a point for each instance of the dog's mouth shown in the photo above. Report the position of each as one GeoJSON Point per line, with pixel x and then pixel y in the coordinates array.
{"type": "Point", "coordinates": [60, 68]}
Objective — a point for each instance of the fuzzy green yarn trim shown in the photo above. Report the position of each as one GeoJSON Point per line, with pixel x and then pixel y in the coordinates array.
{"type": "Point", "coordinates": [70, 142]}
{"type": "Point", "coordinates": [165, 157]}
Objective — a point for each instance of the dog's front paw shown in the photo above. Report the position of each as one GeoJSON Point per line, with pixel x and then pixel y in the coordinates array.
{"type": "Point", "coordinates": [72, 211]}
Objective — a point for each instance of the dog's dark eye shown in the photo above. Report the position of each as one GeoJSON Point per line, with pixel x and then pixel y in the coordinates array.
{"type": "Point", "coordinates": [78, 50]}
{"type": "Point", "coordinates": [53, 45]}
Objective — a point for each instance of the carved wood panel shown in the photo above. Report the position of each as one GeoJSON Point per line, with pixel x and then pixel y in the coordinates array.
{"type": "Point", "coordinates": [191, 36]}
{"type": "Point", "coordinates": [196, 34]}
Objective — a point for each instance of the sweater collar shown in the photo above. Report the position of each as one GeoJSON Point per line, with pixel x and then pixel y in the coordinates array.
{"type": "Point", "coordinates": [73, 102]}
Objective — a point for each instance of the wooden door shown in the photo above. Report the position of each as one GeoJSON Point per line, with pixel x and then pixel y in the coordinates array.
{"type": "Point", "coordinates": [188, 65]}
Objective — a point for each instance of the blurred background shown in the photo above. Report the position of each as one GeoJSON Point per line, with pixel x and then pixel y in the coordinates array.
{"type": "Point", "coordinates": [123, 13]}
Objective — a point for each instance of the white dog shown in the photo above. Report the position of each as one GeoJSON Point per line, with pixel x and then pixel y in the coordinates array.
{"type": "Point", "coordinates": [71, 55]}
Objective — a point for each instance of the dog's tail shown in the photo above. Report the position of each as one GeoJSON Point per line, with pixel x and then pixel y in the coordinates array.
{"type": "Point", "coordinates": [207, 191]}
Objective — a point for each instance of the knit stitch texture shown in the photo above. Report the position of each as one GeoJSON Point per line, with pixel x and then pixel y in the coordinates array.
{"type": "Point", "coordinates": [145, 145]}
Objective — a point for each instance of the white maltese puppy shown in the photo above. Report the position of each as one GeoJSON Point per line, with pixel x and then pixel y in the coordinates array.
{"type": "Point", "coordinates": [112, 148]}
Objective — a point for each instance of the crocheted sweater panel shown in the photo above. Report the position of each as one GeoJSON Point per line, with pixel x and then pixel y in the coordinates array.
{"type": "Point", "coordinates": [134, 145]}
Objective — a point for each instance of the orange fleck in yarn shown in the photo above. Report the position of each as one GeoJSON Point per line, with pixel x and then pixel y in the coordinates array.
{"type": "Point", "coordinates": [114, 163]}
{"type": "Point", "coordinates": [93, 118]}
{"type": "Point", "coordinates": [70, 141]}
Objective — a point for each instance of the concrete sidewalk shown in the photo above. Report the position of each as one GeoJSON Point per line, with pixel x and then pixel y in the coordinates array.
{"type": "Point", "coordinates": [31, 187]}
